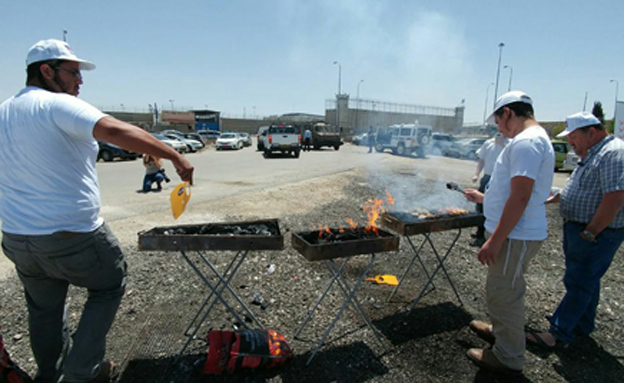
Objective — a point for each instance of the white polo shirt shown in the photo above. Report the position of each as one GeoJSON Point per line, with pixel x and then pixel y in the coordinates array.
{"type": "Point", "coordinates": [529, 154]}
{"type": "Point", "coordinates": [488, 152]}
{"type": "Point", "coordinates": [48, 180]}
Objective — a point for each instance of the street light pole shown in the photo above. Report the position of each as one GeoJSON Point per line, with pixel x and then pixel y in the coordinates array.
{"type": "Point", "coordinates": [487, 91]}
{"type": "Point", "coordinates": [510, 76]}
{"type": "Point", "coordinates": [357, 112]}
{"type": "Point", "coordinates": [617, 85]}
{"type": "Point", "coordinates": [172, 101]}
{"type": "Point", "coordinates": [65, 35]}
{"type": "Point", "coordinates": [338, 96]}
{"type": "Point", "coordinates": [585, 102]}
{"type": "Point", "coordinates": [500, 54]}
{"type": "Point", "coordinates": [339, 76]}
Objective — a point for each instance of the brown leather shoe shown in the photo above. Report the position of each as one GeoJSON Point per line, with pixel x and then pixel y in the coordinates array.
{"type": "Point", "coordinates": [485, 358]}
{"type": "Point", "coordinates": [483, 330]}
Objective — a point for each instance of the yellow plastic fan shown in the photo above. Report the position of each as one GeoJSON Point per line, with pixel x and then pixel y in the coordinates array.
{"type": "Point", "coordinates": [386, 279]}
{"type": "Point", "coordinates": [179, 198]}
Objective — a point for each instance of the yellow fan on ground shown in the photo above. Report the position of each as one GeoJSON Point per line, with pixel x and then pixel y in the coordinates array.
{"type": "Point", "coordinates": [386, 279]}
{"type": "Point", "coordinates": [179, 198]}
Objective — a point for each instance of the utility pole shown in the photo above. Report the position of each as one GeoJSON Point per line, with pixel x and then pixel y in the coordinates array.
{"type": "Point", "coordinates": [500, 54]}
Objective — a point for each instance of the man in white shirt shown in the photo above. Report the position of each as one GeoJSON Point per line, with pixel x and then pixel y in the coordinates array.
{"type": "Point", "coordinates": [49, 207]}
{"type": "Point", "coordinates": [516, 226]}
{"type": "Point", "coordinates": [487, 154]}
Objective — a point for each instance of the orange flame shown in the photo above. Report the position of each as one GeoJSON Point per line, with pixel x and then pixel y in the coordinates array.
{"type": "Point", "coordinates": [373, 209]}
{"type": "Point", "coordinates": [389, 198]}
{"type": "Point", "coordinates": [352, 223]}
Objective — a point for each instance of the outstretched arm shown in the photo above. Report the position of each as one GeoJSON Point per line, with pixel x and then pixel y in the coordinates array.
{"type": "Point", "coordinates": [130, 137]}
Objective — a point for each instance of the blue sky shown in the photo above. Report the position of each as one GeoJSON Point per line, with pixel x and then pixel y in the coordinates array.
{"type": "Point", "coordinates": [276, 56]}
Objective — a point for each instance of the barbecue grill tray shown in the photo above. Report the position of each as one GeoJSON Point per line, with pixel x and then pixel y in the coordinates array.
{"type": "Point", "coordinates": [407, 224]}
{"type": "Point", "coordinates": [156, 239]}
{"type": "Point", "coordinates": [386, 241]}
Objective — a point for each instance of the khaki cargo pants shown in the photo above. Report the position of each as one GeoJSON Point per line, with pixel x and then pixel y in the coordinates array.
{"type": "Point", "coordinates": [505, 289]}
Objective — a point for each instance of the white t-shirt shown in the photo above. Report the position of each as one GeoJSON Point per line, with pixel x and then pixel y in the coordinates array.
{"type": "Point", "coordinates": [488, 152]}
{"type": "Point", "coordinates": [529, 154]}
{"type": "Point", "coordinates": [48, 180]}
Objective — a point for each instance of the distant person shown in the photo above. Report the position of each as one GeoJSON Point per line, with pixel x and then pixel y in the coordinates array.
{"type": "Point", "coordinates": [487, 154]}
{"type": "Point", "coordinates": [307, 137]}
{"type": "Point", "coordinates": [371, 139]}
{"type": "Point", "coordinates": [516, 226]}
{"type": "Point", "coordinates": [593, 229]}
{"type": "Point", "coordinates": [154, 173]}
{"type": "Point", "coordinates": [58, 239]}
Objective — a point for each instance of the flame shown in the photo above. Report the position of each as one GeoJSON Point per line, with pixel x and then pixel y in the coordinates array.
{"type": "Point", "coordinates": [389, 198]}
{"type": "Point", "coordinates": [352, 223]}
{"type": "Point", "coordinates": [373, 209]}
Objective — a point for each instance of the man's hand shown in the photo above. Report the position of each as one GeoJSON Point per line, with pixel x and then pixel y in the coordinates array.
{"type": "Point", "coordinates": [475, 179]}
{"type": "Point", "coordinates": [473, 195]}
{"type": "Point", "coordinates": [183, 168]}
{"type": "Point", "coordinates": [487, 252]}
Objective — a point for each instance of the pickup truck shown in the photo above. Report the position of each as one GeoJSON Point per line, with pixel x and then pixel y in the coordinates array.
{"type": "Point", "coordinates": [283, 139]}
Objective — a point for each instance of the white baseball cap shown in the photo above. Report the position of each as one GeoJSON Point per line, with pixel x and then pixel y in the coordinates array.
{"type": "Point", "coordinates": [52, 49]}
{"type": "Point", "coordinates": [506, 99]}
{"type": "Point", "coordinates": [577, 121]}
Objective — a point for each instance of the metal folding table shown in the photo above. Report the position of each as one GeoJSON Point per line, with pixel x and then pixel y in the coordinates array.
{"type": "Point", "coordinates": [199, 243]}
{"type": "Point", "coordinates": [346, 249]}
{"type": "Point", "coordinates": [408, 225]}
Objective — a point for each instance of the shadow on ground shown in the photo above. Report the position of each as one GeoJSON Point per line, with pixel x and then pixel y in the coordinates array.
{"type": "Point", "coordinates": [423, 322]}
{"type": "Point", "coordinates": [351, 363]}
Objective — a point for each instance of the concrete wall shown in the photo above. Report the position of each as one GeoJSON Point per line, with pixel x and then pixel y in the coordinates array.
{"type": "Point", "coordinates": [355, 121]}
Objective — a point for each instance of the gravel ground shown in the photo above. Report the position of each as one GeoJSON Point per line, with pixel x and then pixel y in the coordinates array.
{"type": "Point", "coordinates": [428, 345]}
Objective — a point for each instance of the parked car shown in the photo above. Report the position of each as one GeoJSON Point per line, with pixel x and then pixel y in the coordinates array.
{"type": "Point", "coordinates": [440, 143]}
{"type": "Point", "coordinates": [404, 139]}
{"type": "Point", "coordinates": [209, 134]}
{"type": "Point", "coordinates": [361, 139]}
{"type": "Point", "coordinates": [246, 138]}
{"type": "Point", "coordinates": [229, 140]}
{"type": "Point", "coordinates": [259, 137]}
{"type": "Point", "coordinates": [194, 136]}
{"type": "Point", "coordinates": [192, 145]}
{"type": "Point", "coordinates": [561, 149]}
{"type": "Point", "coordinates": [108, 152]}
{"type": "Point", "coordinates": [175, 144]}
{"type": "Point", "coordinates": [466, 148]}
{"type": "Point", "coordinates": [571, 161]}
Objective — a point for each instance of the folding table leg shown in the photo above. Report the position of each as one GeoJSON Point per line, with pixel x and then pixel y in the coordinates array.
{"type": "Point", "coordinates": [318, 302]}
{"type": "Point", "coordinates": [218, 296]}
{"type": "Point", "coordinates": [441, 261]}
{"type": "Point", "coordinates": [203, 306]}
{"type": "Point", "coordinates": [229, 288]}
{"type": "Point", "coordinates": [440, 266]}
{"type": "Point", "coordinates": [347, 301]}
{"type": "Point", "coordinates": [344, 286]}
{"type": "Point", "coordinates": [409, 267]}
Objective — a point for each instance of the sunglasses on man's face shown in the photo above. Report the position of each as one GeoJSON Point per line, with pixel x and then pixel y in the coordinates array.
{"type": "Point", "coordinates": [74, 72]}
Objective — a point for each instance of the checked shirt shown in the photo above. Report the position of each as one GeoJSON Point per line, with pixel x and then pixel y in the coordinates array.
{"type": "Point", "coordinates": [600, 172]}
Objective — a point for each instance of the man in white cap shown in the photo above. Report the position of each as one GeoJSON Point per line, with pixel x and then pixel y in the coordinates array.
{"type": "Point", "coordinates": [487, 154]}
{"type": "Point", "coordinates": [516, 226]}
{"type": "Point", "coordinates": [593, 229]}
{"type": "Point", "coordinates": [49, 207]}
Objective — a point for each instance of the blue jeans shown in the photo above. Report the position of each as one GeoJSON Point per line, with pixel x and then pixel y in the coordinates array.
{"type": "Point", "coordinates": [47, 265]}
{"type": "Point", "coordinates": [586, 263]}
{"type": "Point", "coordinates": [149, 179]}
